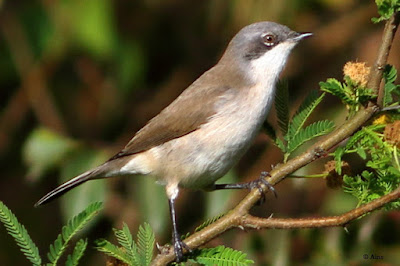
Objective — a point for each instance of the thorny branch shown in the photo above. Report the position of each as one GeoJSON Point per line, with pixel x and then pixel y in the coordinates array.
{"type": "Point", "coordinates": [239, 216]}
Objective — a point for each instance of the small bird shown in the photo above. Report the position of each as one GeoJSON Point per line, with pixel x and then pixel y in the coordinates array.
{"type": "Point", "coordinates": [202, 134]}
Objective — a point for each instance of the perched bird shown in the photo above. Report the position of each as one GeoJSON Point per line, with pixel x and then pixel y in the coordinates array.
{"type": "Point", "coordinates": [201, 135]}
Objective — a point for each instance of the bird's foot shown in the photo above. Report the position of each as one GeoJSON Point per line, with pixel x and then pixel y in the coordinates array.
{"type": "Point", "coordinates": [262, 181]}
{"type": "Point", "coordinates": [179, 245]}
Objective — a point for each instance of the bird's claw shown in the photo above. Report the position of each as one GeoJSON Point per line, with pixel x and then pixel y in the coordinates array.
{"type": "Point", "coordinates": [179, 245]}
{"type": "Point", "coordinates": [257, 184]}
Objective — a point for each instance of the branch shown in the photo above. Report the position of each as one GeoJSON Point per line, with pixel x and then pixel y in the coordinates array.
{"type": "Point", "coordinates": [236, 216]}
{"type": "Point", "coordinates": [253, 222]}
{"type": "Point", "coordinates": [383, 54]}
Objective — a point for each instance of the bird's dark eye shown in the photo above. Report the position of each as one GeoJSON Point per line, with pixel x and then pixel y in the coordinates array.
{"type": "Point", "coordinates": [268, 39]}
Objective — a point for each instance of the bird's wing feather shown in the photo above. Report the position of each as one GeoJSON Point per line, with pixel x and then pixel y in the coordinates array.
{"type": "Point", "coordinates": [184, 115]}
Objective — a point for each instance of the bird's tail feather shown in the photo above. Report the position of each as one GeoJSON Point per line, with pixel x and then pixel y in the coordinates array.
{"type": "Point", "coordinates": [65, 187]}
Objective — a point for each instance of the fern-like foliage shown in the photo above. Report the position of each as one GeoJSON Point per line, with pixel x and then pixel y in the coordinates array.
{"type": "Point", "coordinates": [316, 129]}
{"type": "Point", "coordinates": [381, 160]}
{"type": "Point", "coordinates": [113, 251]}
{"type": "Point", "coordinates": [125, 239]}
{"type": "Point", "coordinates": [391, 90]}
{"type": "Point", "coordinates": [282, 105]}
{"type": "Point", "coordinates": [146, 240]}
{"type": "Point", "coordinates": [336, 88]}
{"type": "Point", "coordinates": [69, 230]}
{"type": "Point", "coordinates": [20, 235]}
{"type": "Point", "coordinates": [220, 255]}
{"type": "Point", "coordinates": [80, 247]}
{"type": "Point", "coordinates": [303, 113]}
{"type": "Point", "coordinates": [296, 133]}
{"type": "Point", "coordinates": [131, 253]}
{"type": "Point", "coordinates": [208, 222]}
{"type": "Point", "coordinates": [351, 93]}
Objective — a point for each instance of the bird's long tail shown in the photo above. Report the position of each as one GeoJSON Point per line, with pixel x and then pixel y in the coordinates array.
{"type": "Point", "coordinates": [65, 187]}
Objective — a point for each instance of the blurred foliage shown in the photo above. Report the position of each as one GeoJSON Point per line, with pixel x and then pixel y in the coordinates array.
{"type": "Point", "coordinates": [78, 78]}
{"type": "Point", "coordinates": [44, 150]}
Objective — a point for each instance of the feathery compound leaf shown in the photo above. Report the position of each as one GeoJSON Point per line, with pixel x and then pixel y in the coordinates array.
{"type": "Point", "coordinates": [303, 113]}
{"type": "Point", "coordinates": [113, 251]}
{"type": "Point", "coordinates": [221, 255]}
{"type": "Point", "coordinates": [20, 234]}
{"type": "Point", "coordinates": [360, 135]}
{"type": "Point", "coordinates": [77, 254]}
{"type": "Point", "coordinates": [280, 145]}
{"type": "Point", "coordinates": [314, 130]}
{"type": "Point", "coordinates": [125, 239]}
{"type": "Point", "coordinates": [336, 88]}
{"type": "Point", "coordinates": [208, 222]}
{"type": "Point", "coordinates": [145, 240]}
{"type": "Point", "coordinates": [269, 130]}
{"type": "Point", "coordinates": [282, 105]}
{"type": "Point", "coordinates": [69, 230]}
{"type": "Point", "coordinates": [390, 76]}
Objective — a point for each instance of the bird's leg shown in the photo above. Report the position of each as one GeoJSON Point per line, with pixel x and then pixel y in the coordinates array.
{"type": "Point", "coordinates": [249, 185]}
{"type": "Point", "coordinates": [176, 238]}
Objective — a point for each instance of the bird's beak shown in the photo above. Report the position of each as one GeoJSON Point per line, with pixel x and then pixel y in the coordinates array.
{"type": "Point", "coordinates": [301, 36]}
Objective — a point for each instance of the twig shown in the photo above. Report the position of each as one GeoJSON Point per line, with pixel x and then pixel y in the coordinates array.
{"type": "Point", "coordinates": [383, 54]}
{"type": "Point", "coordinates": [252, 222]}
{"type": "Point", "coordinates": [236, 216]}
{"type": "Point", "coordinates": [390, 108]}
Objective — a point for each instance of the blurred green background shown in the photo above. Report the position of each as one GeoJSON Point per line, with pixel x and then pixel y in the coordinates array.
{"type": "Point", "coordinates": [78, 78]}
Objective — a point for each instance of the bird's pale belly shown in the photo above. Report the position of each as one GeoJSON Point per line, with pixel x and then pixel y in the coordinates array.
{"type": "Point", "coordinates": [200, 158]}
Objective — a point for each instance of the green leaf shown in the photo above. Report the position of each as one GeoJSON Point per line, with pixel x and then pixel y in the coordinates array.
{"type": "Point", "coordinates": [303, 113]}
{"type": "Point", "coordinates": [313, 130]}
{"type": "Point", "coordinates": [282, 106]}
{"type": "Point", "coordinates": [386, 8]}
{"type": "Point", "coordinates": [125, 239]}
{"type": "Point", "coordinates": [137, 254]}
{"type": "Point", "coordinates": [220, 255]}
{"type": "Point", "coordinates": [20, 235]}
{"type": "Point", "coordinates": [361, 152]}
{"type": "Point", "coordinates": [44, 150]}
{"type": "Point", "coordinates": [389, 76]}
{"type": "Point", "coordinates": [340, 151]}
{"type": "Point", "coordinates": [80, 247]}
{"type": "Point", "coordinates": [280, 145]}
{"type": "Point", "coordinates": [208, 222]}
{"type": "Point", "coordinates": [337, 89]}
{"type": "Point", "coordinates": [69, 230]}
{"type": "Point", "coordinates": [112, 250]}
{"type": "Point", "coordinates": [145, 240]}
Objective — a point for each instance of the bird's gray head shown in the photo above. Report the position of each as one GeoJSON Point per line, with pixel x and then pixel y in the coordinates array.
{"type": "Point", "coordinates": [261, 48]}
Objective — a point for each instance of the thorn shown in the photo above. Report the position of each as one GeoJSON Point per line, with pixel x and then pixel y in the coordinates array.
{"type": "Point", "coordinates": [346, 230]}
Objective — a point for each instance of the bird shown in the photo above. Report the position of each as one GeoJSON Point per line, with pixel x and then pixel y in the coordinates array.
{"type": "Point", "coordinates": [200, 136]}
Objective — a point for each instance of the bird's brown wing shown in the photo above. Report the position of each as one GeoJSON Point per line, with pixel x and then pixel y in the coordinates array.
{"type": "Point", "coordinates": [184, 115]}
